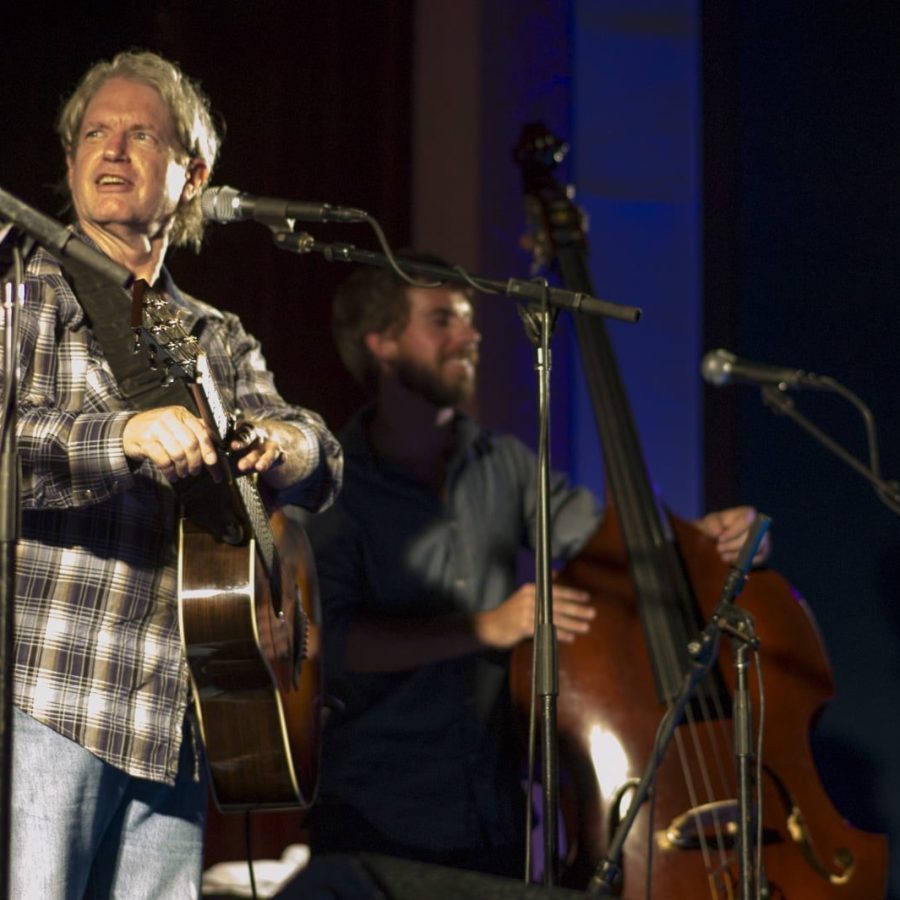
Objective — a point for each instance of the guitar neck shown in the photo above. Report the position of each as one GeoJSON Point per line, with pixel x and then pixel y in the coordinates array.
{"type": "Point", "coordinates": [245, 491]}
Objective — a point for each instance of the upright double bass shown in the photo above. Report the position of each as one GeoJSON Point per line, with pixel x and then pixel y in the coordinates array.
{"type": "Point", "coordinates": [655, 580]}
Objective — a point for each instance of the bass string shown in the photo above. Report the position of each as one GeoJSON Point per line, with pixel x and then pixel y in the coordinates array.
{"type": "Point", "coordinates": [711, 770]}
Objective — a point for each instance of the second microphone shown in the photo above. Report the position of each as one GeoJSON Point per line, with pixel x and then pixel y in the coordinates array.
{"type": "Point", "coordinates": [226, 204]}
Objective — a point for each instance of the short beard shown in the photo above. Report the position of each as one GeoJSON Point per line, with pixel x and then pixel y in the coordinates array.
{"type": "Point", "coordinates": [429, 386]}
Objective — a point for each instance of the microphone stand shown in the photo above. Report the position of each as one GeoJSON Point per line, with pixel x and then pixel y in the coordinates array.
{"type": "Point", "coordinates": [302, 242]}
{"type": "Point", "coordinates": [539, 321]}
{"type": "Point", "coordinates": [781, 404]}
{"type": "Point", "coordinates": [10, 530]}
{"type": "Point", "coordinates": [25, 229]}
{"type": "Point", "coordinates": [738, 624]}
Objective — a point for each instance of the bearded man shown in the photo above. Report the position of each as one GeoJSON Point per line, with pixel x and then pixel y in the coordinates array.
{"type": "Point", "coordinates": [417, 563]}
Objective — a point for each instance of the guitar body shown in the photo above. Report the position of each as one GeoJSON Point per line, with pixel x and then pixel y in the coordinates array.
{"type": "Point", "coordinates": [255, 664]}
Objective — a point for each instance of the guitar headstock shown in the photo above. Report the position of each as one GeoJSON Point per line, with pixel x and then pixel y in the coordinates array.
{"type": "Point", "coordinates": [555, 222]}
{"type": "Point", "coordinates": [158, 330]}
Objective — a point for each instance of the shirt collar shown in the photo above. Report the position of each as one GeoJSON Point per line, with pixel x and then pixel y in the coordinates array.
{"type": "Point", "coordinates": [469, 438]}
{"type": "Point", "coordinates": [191, 313]}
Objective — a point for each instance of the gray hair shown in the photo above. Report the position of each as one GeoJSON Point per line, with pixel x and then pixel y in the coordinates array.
{"type": "Point", "coordinates": [188, 105]}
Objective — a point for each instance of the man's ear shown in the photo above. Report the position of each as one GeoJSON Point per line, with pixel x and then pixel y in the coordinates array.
{"type": "Point", "coordinates": [381, 346]}
{"type": "Point", "coordinates": [197, 176]}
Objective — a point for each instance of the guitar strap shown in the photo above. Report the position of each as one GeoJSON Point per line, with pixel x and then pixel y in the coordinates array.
{"type": "Point", "coordinates": [107, 306]}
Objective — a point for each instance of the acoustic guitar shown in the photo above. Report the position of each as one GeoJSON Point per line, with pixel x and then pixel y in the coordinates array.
{"type": "Point", "coordinates": [248, 608]}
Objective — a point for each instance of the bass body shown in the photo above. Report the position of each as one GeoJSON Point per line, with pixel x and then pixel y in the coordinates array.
{"type": "Point", "coordinates": [609, 708]}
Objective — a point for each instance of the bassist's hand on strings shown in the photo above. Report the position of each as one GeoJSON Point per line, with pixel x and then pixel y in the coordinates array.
{"type": "Point", "coordinates": [729, 529]}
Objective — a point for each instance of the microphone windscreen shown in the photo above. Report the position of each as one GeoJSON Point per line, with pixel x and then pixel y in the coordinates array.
{"type": "Point", "coordinates": [219, 204]}
{"type": "Point", "coordinates": [716, 367]}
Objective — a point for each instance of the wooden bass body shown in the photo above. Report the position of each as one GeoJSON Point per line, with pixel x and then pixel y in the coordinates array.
{"type": "Point", "coordinates": [608, 713]}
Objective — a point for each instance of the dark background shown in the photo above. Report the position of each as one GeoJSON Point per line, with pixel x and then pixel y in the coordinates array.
{"type": "Point", "coordinates": [802, 222]}
{"type": "Point", "coordinates": [801, 203]}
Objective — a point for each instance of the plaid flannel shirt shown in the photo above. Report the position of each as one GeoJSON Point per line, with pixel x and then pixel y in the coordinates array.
{"type": "Point", "coordinates": [97, 647]}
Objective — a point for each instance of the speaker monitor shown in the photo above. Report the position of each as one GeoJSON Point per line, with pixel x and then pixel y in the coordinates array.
{"type": "Point", "coordinates": [368, 876]}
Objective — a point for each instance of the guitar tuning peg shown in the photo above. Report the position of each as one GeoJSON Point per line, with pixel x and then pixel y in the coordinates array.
{"type": "Point", "coordinates": [168, 378]}
{"type": "Point", "coordinates": [138, 344]}
{"type": "Point", "coordinates": [154, 362]}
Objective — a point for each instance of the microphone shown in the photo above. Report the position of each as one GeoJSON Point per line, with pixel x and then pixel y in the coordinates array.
{"type": "Point", "coordinates": [225, 204]}
{"type": "Point", "coordinates": [61, 241]}
{"type": "Point", "coordinates": [720, 367]}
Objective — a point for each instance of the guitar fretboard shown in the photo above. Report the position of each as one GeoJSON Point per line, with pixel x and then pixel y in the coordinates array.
{"type": "Point", "coordinates": [254, 510]}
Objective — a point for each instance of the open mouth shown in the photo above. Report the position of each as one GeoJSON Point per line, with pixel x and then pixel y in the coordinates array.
{"type": "Point", "coordinates": [463, 362]}
{"type": "Point", "coordinates": [112, 181]}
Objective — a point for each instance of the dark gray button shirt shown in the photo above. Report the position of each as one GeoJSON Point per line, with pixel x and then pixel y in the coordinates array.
{"type": "Point", "coordinates": [425, 754]}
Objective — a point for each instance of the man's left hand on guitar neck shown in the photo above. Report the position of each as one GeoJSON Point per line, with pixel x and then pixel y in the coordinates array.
{"type": "Point", "coordinates": [281, 453]}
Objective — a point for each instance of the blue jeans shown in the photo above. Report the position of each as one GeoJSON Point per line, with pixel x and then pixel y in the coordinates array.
{"type": "Point", "coordinates": [84, 829]}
